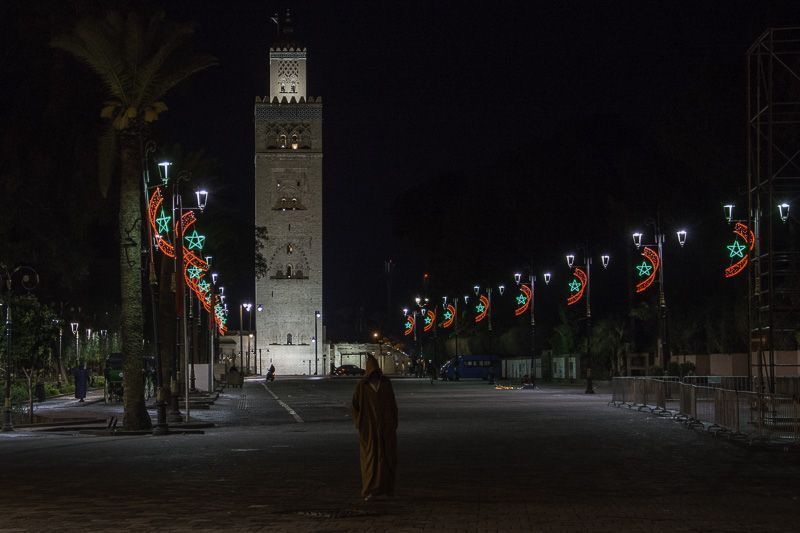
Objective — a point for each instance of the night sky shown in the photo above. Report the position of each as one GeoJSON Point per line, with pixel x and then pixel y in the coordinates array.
{"type": "Point", "coordinates": [567, 101]}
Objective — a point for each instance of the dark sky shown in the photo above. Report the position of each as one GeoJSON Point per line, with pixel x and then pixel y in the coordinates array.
{"type": "Point", "coordinates": [414, 89]}
{"type": "Point", "coordinates": [637, 103]}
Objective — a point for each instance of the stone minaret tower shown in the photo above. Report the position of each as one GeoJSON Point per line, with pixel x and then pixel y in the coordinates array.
{"type": "Point", "coordinates": [288, 196]}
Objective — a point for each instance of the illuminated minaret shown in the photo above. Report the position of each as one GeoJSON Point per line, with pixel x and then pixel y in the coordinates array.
{"type": "Point", "coordinates": [288, 202]}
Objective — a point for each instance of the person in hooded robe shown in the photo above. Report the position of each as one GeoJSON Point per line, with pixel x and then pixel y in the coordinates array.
{"type": "Point", "coordinates": [81, 376]}
{"type": "Point", "coordinates": [375, 417]}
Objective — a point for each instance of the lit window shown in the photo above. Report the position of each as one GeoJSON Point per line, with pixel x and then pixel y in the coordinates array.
{"type": "Point", "coordinates": [289, 249]}
{"type": "Point", "coordinates": [282, 141]}
{"type": "Point", "coordinates": [288, 338]}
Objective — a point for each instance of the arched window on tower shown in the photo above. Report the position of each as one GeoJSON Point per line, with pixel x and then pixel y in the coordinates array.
{"type": "Point", "coordinates": [282, 141]}
{"type": "Point", "coordinates": [283, 87]}
{"type": "Point", "coordinates": [295, 142]}
{"type": "Point", "coordinates": [288, 271]}
{"type": "Point", "coordinates": [294, 87]}
{"type": "Point", "coordinates": [289, 249]}
{"type": "Point", "coordinates": [288, 338]}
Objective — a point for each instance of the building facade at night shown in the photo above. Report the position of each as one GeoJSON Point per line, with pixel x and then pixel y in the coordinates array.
{"type": "Point", "coordinates": [288, 203]}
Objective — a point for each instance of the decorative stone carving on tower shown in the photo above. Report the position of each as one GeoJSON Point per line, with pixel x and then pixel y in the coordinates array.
{"type": "Point", "coordinates": [288, 201]}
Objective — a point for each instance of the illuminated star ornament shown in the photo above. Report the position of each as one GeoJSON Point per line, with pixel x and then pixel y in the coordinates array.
{"type": "Point", "coordinates": [407, 325]}
{"type": "Point", "coordinates": [204, 286]}
{"type": "Point", "coordinates": [577, 286]}
{"type": "Point", "coordinates": [449, 316]}
{"type": "Point", "coordinates": [430, 320]}
{"type": "Point", "coordinates": [195, 240]}
{"type": "Point", "coordinates": [736, 249]}
{"type": "Point", "coordinates": [194, 272]}
{"type": "Point", "coordinates": [648, 268]}
{"type": "Point", "coordinates": [482, 308]}
{"type": "Point", "coordinates": [524, 299]}
{"type": "Point", "coordinates": [163, 222]}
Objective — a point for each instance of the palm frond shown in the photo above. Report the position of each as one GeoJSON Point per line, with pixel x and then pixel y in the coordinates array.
{"type": "Point", "coordinates": [153, 67]}
{"type": "Point", "coordinates": [181, 72]}
{"type": "Point", "coordinates": [89, 44]}
{"type": "Point", "coordinates": [134, 42]}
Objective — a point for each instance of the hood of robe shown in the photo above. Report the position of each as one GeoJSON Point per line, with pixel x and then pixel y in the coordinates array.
{"type": "Point", "coordinates": [372, 366]}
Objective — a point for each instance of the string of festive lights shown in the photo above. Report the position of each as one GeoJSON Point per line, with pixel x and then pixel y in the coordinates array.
{"type": "Point", "coordinates": [195, 268]}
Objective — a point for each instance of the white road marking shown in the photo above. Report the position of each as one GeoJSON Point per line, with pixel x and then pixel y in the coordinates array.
{"type": "Point", "coordinates": [284, 405]}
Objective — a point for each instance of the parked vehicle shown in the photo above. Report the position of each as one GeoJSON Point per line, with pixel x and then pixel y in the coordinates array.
{"type": "Point", "coordinates": [348, 370]}
{"type": "Point", "coordinates": [471, 367]}
{"type": "Point", "coordinates": [113, 374]}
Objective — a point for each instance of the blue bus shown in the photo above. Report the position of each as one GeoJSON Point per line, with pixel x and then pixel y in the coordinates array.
{"type": "Point", "coordinates": [471, 367]}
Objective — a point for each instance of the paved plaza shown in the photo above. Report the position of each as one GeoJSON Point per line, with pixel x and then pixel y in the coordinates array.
{"type": "Point", "coordinates": [472, 458]}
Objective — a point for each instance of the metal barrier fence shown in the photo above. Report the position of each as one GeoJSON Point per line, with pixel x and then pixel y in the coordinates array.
{"type": "Point", "coordinates": [737, 411]}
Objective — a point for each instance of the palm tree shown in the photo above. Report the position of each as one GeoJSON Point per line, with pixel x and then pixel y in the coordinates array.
{"type": "Point", "coordinates": [139, 60]}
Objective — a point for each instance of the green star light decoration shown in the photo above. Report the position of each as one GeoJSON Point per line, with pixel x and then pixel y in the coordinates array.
{"type": "Point", "coordinates": [194, 272]}
{"type": "Point", "coordinates": [644, 269]}
{"type": "Point", "coordinates": [479, 308]}
{"type": "Point", "coordinates": [163, 222]}
{"type": "Point", "coordinates": [427, 320]}
{"type": "Point", "coordinates": [737, 249]}
{"type": "Point", "coordinates": [408, 325]}
{"type": "Point", "coordinates": [521, 299]}
{"type": "Point", "coordinates": [204, 286]}
{"type": "Point", "coordinates": [448, 315]}
{"type": "Point", "coordinates": [574, 285]}
{"type": "Point", "coordinates": [195, 240]}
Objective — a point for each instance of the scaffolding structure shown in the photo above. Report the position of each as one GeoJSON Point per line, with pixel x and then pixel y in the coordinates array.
{"type": "Point", "coordinates": [773, 180]}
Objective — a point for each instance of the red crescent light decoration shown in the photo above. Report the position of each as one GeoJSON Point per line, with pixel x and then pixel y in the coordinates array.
{"type": "Point", "coordinates": [432, 321]}
{"type": "Point", "coordinates": [449, 322]}
{"type": "Point", "coordinates": [749, 238]}
{"type": "Point", "coordinates": [409, 325]}
{"type": "Point", "coordinates": [526, 292]}
{"type": "Point", "coordinates": [582, 278]}
{"type": "Point", "coordinates": [652, 256]}
{"type": "Point", "coordinates": [482, 314]}
{"type": "Point", "coordinates": [190, 258]}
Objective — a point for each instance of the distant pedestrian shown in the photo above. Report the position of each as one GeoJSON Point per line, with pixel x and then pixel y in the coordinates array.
{"type": "Point", "coordinates": [81, 375]}
{"type": "Point", "coordinates": [270, 373]}
{"type": "Point", "coordinates": [375, 417]}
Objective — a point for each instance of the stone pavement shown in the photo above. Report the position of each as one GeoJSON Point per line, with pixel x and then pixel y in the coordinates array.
{"type": "Point", "coordinates": [472, 458]}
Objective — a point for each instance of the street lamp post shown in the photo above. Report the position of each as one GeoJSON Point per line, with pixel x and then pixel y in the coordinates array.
{"type": "Point", "coordinates": [246, 307]}
{"type": "Point", "coordinates": [605, 258]}
{"type": "Point", "coordinates": [181, 326]}
{"type": "Point", "coordinates": [477, 290]}
{"type": "Point", "coordinates": [663, 354]}
{"type": "Point", "coordinates": [75, 331]}
{"type": "Point", "coordinates": [532, 281]}
{"type": "Point", "coordinates": [316, 359]}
